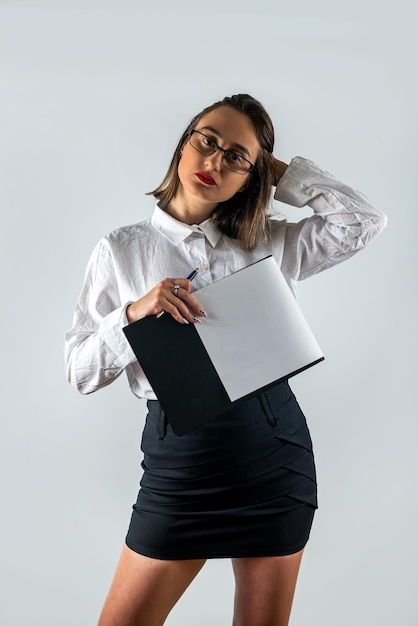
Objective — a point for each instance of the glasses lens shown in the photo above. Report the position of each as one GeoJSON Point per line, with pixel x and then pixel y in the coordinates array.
{"type": "Point", "coordinates": [231, 160]}
{"type": "Point", "coordinates": [236, 162]}
{"type": "Point", "coordinates": [202, 144]}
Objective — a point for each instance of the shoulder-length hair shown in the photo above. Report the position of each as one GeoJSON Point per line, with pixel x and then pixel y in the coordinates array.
{"type": "Point", "coordinates": [244, 216]}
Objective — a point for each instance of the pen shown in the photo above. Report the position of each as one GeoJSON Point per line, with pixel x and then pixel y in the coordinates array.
{"type": "Point", "coordinates": [189, 277]}
{"type": "Point", "coordinates": [192, 274]}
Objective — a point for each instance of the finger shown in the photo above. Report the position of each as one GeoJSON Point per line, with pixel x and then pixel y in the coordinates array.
{"type": "Point", "coordinates": [193, 305]}
{"type": "Point", "coordinates": [170, 300]}
{"type": "Point", "coordinates": [178, 309]}
{"type": "Point", "coordinates": [181, 288]}
{"type": "Point", "coordinates": [184, 283]}
{"type": "Point", "coordinates": [176, 313]}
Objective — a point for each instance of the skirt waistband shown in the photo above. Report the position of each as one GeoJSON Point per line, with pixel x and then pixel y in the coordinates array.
{"type": "Point", "coordinates": [268, 405]}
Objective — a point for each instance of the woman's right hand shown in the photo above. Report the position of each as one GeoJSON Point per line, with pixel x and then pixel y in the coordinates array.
{"type": "Point", "coordinates": [165, 296]}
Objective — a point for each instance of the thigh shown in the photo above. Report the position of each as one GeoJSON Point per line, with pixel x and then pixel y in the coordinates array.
{"type": "Point", "coordinates": [144, 590]}
{"type": "Point", "coordinates": [264, 589]}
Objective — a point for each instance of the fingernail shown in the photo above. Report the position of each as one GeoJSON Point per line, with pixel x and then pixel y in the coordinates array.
{"type": "Point", "coordinates": [196, 319]}
{"type": "Point", "coordinates": [203, 313]}
{"type": "Point", "coordinates": [185, 321]}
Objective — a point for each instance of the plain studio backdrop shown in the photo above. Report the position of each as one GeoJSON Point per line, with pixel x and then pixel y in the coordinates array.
{"type": "Point", "coordinates": [94, 96]}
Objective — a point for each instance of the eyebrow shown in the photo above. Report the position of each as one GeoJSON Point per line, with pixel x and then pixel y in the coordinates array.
{"type": "Point", "coordinates": [218, 134]}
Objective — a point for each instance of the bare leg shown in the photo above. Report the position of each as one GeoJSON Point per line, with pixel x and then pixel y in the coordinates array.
{"type": "Point", "coordinates": [265, 587]}
{"type": "Point", "coordinates": [144, 590]}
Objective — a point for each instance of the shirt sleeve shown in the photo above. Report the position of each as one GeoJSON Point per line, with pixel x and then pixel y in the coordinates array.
{"type": "Point", "coordinates": [96, 350]}
{"type": "Point", "coordinates": [344, 221]}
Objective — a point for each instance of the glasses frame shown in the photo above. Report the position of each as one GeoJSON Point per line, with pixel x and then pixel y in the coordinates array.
{"type": "Point", "coordinates": [223, 150]}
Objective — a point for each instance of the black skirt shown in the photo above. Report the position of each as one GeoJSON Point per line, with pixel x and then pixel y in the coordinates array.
{"type": "Point", "coordinates": [242, 485]}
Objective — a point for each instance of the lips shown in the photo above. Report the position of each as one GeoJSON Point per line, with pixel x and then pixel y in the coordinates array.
{"type": "Point", "coordinates": [205, 178]}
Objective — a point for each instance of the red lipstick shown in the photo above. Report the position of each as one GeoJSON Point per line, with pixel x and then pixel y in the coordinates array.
{"type": "Point", "coordinates": [205, 178]}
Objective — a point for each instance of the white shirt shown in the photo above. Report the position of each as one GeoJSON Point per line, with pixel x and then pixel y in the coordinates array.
{"type": "Point", "coordinates": [130, 261]}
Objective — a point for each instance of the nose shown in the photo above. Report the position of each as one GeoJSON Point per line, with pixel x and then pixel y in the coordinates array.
{"type": "Point", "coordinates": [215, 160]}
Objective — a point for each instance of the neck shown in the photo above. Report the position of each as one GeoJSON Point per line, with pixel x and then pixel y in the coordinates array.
{"type": "Point", "coordinates": [189, 211]}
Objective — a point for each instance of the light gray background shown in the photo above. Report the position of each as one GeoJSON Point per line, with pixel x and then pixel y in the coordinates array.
{"type": "Point", "coordinates": [93, 96]}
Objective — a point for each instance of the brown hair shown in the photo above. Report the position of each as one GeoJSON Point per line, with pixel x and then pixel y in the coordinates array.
{"type": "Point", "coordinates": [242, 217]}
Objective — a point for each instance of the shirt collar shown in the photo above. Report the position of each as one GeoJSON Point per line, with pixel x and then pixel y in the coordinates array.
{"type": "Point", "coordinates": [177, 231]}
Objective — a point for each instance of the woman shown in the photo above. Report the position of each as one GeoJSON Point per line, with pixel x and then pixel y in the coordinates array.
{"type": "Point", "coordinates": [242, 486]}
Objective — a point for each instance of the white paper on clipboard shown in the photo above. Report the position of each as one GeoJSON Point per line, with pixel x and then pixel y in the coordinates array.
{"type": "Point", "coordinates": [255, 332]}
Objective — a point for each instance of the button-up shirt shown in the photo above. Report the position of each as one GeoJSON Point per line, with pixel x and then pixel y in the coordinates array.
{"type": "Point", "coordinates": [129, 262]}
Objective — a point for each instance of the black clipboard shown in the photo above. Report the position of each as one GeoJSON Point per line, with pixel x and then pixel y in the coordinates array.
{"type": "Point", "coordinates": [179, 370]}
{"type": "Point", "coordinates": [185, 372]}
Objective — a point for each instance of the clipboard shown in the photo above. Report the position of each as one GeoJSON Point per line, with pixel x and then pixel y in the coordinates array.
{"type": "Point", "coordinates": [254, 337]}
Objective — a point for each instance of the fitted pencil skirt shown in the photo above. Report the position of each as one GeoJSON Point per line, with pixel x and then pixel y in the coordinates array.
{"type": "Point", "coordinates": [242, 485]}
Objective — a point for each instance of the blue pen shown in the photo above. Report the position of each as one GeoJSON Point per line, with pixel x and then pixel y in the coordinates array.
{"type": "Point", "coordinates": [193, 274]}
{"type": "Point", "coordinates": [189, 277]}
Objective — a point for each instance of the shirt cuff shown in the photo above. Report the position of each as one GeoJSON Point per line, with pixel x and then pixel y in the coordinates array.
{"type": "Point", "coordinates": [300, 175]}
{"type": "Point", "coordinates": [111, 333]}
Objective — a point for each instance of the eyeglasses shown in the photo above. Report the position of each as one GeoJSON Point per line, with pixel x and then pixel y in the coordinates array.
{"type": "Point", "coordinates": [231, 160]}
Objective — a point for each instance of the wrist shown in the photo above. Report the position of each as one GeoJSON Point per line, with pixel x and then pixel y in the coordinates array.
{"type": "Point", "coordinates": [279, 169]}
{"type": "Point", "coordinates": [129, 313]}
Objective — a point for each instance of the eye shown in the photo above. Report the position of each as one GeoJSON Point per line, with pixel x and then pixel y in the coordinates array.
{"type": "Point", "coordinates": [233, 157]}
{"type": "Point", "coordinates": [208, 142]}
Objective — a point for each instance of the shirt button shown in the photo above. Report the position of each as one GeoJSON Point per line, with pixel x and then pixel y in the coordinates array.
{"type": "Point", "coordinates": [204, 266]}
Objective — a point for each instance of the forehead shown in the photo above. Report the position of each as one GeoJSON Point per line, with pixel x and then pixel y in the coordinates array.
{"type": "Point", "coordinates": [232, 128]}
